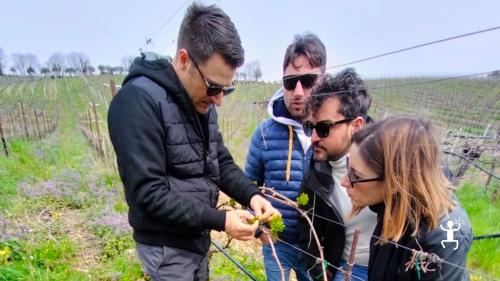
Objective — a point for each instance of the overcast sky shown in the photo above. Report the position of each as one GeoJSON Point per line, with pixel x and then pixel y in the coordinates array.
{"type": "Point", "coordinates": [108, 30]}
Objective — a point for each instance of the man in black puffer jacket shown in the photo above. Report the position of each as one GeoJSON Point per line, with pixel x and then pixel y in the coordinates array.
{"type": "Point", "coordinates": [170, 153]}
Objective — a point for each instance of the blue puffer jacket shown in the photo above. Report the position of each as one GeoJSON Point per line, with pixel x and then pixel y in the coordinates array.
{"type": "Point", "coordinates": [273, 162]}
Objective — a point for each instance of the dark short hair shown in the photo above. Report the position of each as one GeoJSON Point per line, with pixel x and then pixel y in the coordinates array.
{"type": "Point", "coordinates": [308, 45]}
{"type": "Point", "coordinates": [348, 88]}
{"type": "Point", "coordinates": [206, 30]}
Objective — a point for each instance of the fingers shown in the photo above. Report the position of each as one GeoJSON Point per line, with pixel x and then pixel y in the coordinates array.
{"type": "Point", "coordinates": [246, 231]}
{"type": "Point", "coordinates": [268, 211]}
{"type": "Point", "coordinates": [237, 226]}
{"type": "Point", "coordinates": [244, 215]}
{"type": "Point", "coordinates": [257, 209]}
{"type": "Point", "coordinates": [258, 204]}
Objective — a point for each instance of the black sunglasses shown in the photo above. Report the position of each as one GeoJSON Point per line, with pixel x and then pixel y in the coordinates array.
{"type": "Point", "coordinates": [353, 179]}
{"type": "Point", "coordinates": [213, 89]}
{"type": "Point", "coordinates": [306, 80]}
{"type": "Point", "coordinates": [322, 127]}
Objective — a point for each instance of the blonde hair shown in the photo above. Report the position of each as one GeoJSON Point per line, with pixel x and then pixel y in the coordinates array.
{"type": "Point", "coordinates": [406, 152]}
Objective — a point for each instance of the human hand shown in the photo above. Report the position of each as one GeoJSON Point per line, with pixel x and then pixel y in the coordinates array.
{"type": "Point", "coordinates": [237, 226]}
{"type": "Point", "coordinates": [262, 208]}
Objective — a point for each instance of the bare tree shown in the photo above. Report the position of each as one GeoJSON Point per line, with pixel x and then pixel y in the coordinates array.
{"type": "Point", "coordinates": [79, 62]}
{"type": "Point", "coordinates": [57, 63]}
{"type": "Point", "coordinates": [252, 70]}
{"type": "Point", "coordinates": [44, 70]}
{"type": "Point", "coordinates": [102, 69]}
{"type": "Point", "coordinates": [84, 62]}
{"type": "Point", "coordinates": [21, 63]}
{"type": "Point", "coordinates": [33, 64]}
{"type": "Point", "coordinates": [57, 69]}
{"type": "Point", "coordinates": [494, 74]}
{"type": "Point", "coordinates": [110, 69]}
{"type": "Point", "coordinates": [91, 69]}
{"type": "Point", "coordinates": [31, 71]}
{"type": "Point", "coordinates": [258, 73]}
{"type": "Point", "coordinates": [127, 62]}
{"type": "Point", "coordinates": [70, 71]}
{"type": "Point", "coordinates": [119, 69]}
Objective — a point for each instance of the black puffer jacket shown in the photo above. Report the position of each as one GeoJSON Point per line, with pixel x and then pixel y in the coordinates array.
{"type": "Point", "coordinates": [389, 263]}
{"type": "Point", "coordinates": [318, 184]}
{"type": "Point", "coordinates": [171, 160]}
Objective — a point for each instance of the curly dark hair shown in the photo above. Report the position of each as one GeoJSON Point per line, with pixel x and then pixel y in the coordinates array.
{"type": "Point", "coordinates": [346, 86]}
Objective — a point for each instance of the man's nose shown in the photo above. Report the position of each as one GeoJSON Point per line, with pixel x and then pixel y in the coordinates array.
{"type": "Point", "coordinates": [299, 90]}
{"type": "Point", "coordinates": [314, 137]}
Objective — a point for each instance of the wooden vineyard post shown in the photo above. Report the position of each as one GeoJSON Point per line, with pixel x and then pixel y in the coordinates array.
{"type": "Point", "coordinates": [113, 88]}
{"type": "Point", "coordinates": [493, 162]}
{"type": "Point", "coordinates": [44, 120]}
{"type": "Point", "coordinates": [2, 136]}
{"type": "Point", "coordinates": [89, 115]}
{"type": "Point", "coordinates": [10, 123]}
{"type": "Point", "coordinates": [20, 120]}
{"type": "Point", "coordinates": [37, 125]}
{"type": "Point", "coordinates": [99, 141]}
{"type": "Point", "coordinates": [348, 272]}
{"type": "Point", "coordinates": [24, 122]}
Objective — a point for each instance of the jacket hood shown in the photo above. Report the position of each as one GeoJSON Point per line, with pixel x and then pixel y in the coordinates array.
{"type": "Point", "coordinates": [159, 69]}
{"type": "Point", "coordinates": [276, 108]}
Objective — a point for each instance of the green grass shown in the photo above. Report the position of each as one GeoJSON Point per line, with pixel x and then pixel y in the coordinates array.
{"type": "Point", "coordinates": [224, 269]}
{"type": "Point", "coordinates": [484, 214]}
{"type": "Point", "coordinates": [47, 252]}
{"type": "Point", "coordinates": [46, 260]}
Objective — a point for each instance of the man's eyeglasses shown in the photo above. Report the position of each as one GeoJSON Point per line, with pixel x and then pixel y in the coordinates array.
{"type": "Point", "coordinates": [353, 179]}
{"type": "Point", "coordinates": [322, 128]}
{"type": "Point", "coordinates": [213, 89]}
{"type": "Point", "coordinates": [306, 80]}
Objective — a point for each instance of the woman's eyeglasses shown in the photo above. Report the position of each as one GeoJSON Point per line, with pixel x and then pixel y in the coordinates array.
{"type": "Point", "coordinates": [213, 89]}
{"type": "Point", "coordinates": [322, 128]}
{"type": "Point", "coordinates": [353, 179]}
{"type": "Point", "coordinates": [306, 80]}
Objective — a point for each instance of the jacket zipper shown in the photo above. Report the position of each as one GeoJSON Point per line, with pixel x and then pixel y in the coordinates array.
{"type": "Point", "coordinates": [205, 151]}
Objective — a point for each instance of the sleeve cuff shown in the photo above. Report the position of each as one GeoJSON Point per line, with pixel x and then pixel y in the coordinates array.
{"type": "Point", "coordinates": [213, 219]}
{"type": "Point", "coordinates": [252, 191]}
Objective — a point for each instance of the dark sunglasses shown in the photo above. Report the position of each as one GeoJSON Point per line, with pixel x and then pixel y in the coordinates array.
{"type": "Point", "coordinates": [353, 179]}
{"type": "Point", "coordinates": [306, 80]}
{"type": "Point", "coordinates": [213, 89]}
{"type": "Point", "coordinates": [322, 128]}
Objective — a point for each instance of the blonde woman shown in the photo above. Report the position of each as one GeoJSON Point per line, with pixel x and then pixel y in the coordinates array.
{"type": "Point", "coordinates": [394, 169]}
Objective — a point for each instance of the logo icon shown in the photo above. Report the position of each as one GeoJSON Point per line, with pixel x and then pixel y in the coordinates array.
{"type": "Point", "coordinates": [449, 233]}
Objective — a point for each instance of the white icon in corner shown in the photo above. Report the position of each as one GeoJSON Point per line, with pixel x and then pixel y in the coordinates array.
{"type": "Point", "coordinates": [449, 234]}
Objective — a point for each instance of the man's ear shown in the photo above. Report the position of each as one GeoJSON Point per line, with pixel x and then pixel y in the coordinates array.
{"type": "Point", "coordinates": [182, 59]}
{"type": "Point", "coordinates": [357, 124]}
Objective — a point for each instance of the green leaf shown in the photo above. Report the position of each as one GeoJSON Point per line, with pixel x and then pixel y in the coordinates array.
{"type": "Point", "coordinates": [303, 199]}
{"type": "Point", "coordinates": [232, 203]}
{"type": "Point", "coordinates": [276, 224]}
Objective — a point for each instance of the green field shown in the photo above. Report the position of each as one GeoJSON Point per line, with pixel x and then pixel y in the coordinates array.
{"type": "Point", "coordinates": [62, 209]}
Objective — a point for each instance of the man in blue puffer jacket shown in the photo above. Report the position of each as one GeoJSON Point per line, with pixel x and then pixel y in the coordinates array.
{"type": "Point", "coordinates": [279, 152]}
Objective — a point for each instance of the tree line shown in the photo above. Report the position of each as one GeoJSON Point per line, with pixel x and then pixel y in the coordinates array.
{"type": "Point", "coordinates": [77, 63]}
{"type": "Point", "coordinates": [58, 64]}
